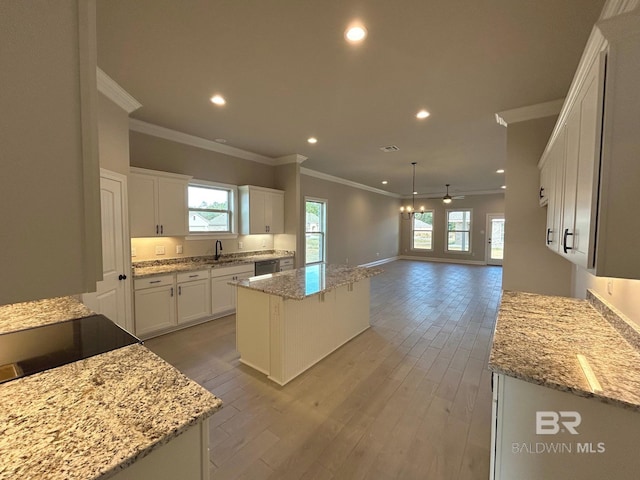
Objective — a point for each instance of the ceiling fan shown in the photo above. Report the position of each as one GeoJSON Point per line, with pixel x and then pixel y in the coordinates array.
{"type": "Point", "coordinates": [448, 198]}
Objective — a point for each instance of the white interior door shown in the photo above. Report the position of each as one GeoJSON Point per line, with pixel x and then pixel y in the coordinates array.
{"type": "Point", "coordinates": [495, 239]}
{"type": "Point", "coordinates": [113, 296]}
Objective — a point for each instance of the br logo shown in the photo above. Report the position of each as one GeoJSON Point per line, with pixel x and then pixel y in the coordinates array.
{"type": "Point", "coordinates": [551, 423]}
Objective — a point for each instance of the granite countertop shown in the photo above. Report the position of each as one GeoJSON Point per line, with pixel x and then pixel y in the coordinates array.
{"type": "Point", "coordinates": [173, 265]}
{"type": "Point", "coordinates": [304, 282]}
{"type": "Point", "coordinates": [537, 339]}
{"type": "Point", "coordinates": [20, 316]}
{"type": "Point", "coordinates": [91, 418]}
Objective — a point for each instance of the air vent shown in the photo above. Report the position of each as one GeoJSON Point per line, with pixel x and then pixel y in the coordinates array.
{"type": "Point", "coordinates": [389, 148]}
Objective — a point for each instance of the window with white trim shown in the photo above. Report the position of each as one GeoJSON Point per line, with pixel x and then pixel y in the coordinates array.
{"type": "Point", "coordinates": [458, 231]}
{"type": "Point", "coordinates": [315, 230]}
{"type": "Point", "coordinates": [210, 208]}
{"type": "Point", "coordinates": [422, 231]}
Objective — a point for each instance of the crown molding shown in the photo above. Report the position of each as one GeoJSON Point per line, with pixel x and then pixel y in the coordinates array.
{"type": "Point", "coordinates": [342, 181]}
{"type": "Point", "coordinates": [617, 7]}
{"type": "Point", "coordinates": [114, 92]}
{"type": "Point", "coordinates": [529, 112]}
{"type": "Point", "coordinates": [186, 139]}
{"type": "Point", "coordinates": [293, 158]}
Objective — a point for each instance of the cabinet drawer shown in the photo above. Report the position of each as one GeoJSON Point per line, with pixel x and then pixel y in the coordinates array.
{"type": "Point", "coordinates": [191, 276]}
{"type": "Point", "coordinates": [158, 281]}
{"type": "Point", "coordinates": [286, 262]}
{"type": "Point", "coordinates": [243, 270]}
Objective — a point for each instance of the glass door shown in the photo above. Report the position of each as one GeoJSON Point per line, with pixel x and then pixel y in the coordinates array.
{"type": "Point", "coordinates": [495, 239]}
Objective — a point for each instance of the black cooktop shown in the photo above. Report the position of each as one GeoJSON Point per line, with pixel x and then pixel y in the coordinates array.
{"type": "Point", "coordinates": [34, 350]}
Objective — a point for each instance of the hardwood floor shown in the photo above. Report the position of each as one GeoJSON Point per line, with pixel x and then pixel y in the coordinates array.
{"type": "Point", "coordinates": [410, 398]}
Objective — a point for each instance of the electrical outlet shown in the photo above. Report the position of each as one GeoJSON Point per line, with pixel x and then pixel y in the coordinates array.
{"type": "Point", "coordinates": [178, 248]}
{"type": "Point", "coordinates": [159, 249]}
{"type": "Point", "coordinates": [240, 245]}
{"type": "Point", "coordinates": [133, 251]}
{"type": "Point", "coordinates": [610, 287]}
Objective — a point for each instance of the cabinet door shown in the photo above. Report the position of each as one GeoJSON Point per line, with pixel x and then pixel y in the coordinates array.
{"type": "Point", "coordinates": [581, 162]}
{"type": "Point", "coordinates": [222, 295]}
{"type": "Point", "coordinates": [588, 171]}
{"type": "Point", "coordinates": [274, 212]}
{"type": "Point", "coordinates": [142, 205]}
{"type": "Point", "coordinates": [555, 162]}
{"type": "Point", "coordinates": [257, 200]}
{"type": "Point", "coordinates": [193, 300]}
{"type": "Point", "coordinates": [172, 207]}
{"type": "Point", "coordinates": [155, 309]}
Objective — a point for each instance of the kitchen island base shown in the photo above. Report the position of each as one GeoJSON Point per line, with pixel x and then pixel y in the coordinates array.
{"type": "Point", "coordinates": [283, 337]}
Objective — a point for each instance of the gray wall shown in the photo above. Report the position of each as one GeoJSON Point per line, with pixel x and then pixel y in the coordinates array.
{"type": "Point", "coordinates": [157, 153]}
{"type": "Point", "coordinates": [113, 136]}
{"type": "Point", "coordinates": [287, 178]}
{"type": "Point", "coordinates": [362, 225]}
{"type": "Point", "coordinates": [529, 266]}
{"type": "Point", "coordinates": [481, 205]}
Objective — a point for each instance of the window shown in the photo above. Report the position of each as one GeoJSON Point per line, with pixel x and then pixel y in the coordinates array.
{"type": "Point", "coordinates": [315, 230]}
{"type": "Point", "coordinates": [211, 208]}
{"type": "Point", "coordinates": [423, 231]}
{"type": "Point", "coordinates": [459, 231]}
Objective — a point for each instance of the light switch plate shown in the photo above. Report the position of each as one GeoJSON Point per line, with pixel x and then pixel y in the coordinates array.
{"type": "Point", "coordinates": [133, 251]}
{"type": "Point", "coordinates": [159, 249]}
{"type": "Point", "coordinates": [178, 248]}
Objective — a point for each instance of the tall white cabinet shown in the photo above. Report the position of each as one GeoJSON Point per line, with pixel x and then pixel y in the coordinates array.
{"type": "Point", "coordinates": [591, 160]}
{"type": "Point", "coordinates": [49, 187]}
{"type": "Point", "coordinates": [157, 203]}
{"type": "Point", "coordinates": [261, 210]}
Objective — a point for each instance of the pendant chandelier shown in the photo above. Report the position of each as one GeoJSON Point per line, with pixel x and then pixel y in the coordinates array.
{"type": "Point", "coordinates": [410, 210]}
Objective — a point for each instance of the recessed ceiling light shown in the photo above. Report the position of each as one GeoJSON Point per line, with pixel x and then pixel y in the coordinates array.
{"type": "Point", "coordinates": [355, 33]}
{"type": "Point", "coordinates": [500, 170]}
{"type": "Point", "coordinates": [312, 140]}
{"type": "Point", "coordinates": [384, 182]}
{"type": "Point", "coordinates": [503, 187]}
{"type": "Point", "coordinates": [422, 114]}
{"type": "Point", "coordinates": [218, 100]}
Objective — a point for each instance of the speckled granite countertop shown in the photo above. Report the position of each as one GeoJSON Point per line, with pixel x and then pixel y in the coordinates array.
{"type": "Point", "coordinates": [304, 282]}
{"type": "Point", "coordinates": [537, 339]}
{"type": "Point", "coordinates": [173, 265]}
{"type": "Point", "coordinates": [92, 418]}
{"type": "Point", "coordinates": [20, 316]}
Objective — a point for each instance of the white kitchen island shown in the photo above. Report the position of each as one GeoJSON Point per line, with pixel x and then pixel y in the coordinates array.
{"type": "Point", "coordinates": [288, 321]}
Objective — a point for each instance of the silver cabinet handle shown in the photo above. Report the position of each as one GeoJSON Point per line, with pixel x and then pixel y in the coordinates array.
{"type": "Point", "coordinates": [193, 276]}
{"type": "Point", "coordinates": [172, 291]}
{"type": "Point", "coordinates": [155, 281]}
{"type": "Point", "coordinates": [180, 290]}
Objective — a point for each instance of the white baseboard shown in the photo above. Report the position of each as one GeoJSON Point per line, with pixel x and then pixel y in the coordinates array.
{"type": "Point", "coordinates": [380, 262]}
{"type": "Point", "coordinates": [442, 260]}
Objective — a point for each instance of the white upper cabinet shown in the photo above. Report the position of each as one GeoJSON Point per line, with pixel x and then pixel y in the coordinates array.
{"type": "Point", "coordinates": [157, 203]}
{"type": "Point", "coordinates": [50, 182]}
{"type": "Point", "coordinates": [594, 152]}
{"type": "Point", "coordinates": [261, 210]}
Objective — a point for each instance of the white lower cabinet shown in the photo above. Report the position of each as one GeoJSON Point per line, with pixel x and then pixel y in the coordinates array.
{"type": "Point", "coordinates": [194, 301]}
{"type": "Point", "coordinates": [543, 433]}
{"type": "Point", "coordinates": [223, 295]}
{"type": "Point", "coordinates": [155, 305]}
{"type": "Point", "coordinates": [185, 457]}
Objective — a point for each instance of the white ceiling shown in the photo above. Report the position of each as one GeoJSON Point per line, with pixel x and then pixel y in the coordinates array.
{"type": "Point", "coordinates": [288, 74]}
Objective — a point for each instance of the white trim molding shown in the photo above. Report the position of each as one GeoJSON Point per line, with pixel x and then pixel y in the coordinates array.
{"type": "Point", "coordinates": [442, 260]}
{"type": "Point", "coordinates": [186, 139]}
{"type": "Point", "coordinates": [293, 158]}
{"type": "Point", "coordinates": [379, 262]}
{"type": "Point", "coordinates": [114, 92]}
{"type": "Point", "coordinates": [529, 112]}
{"type": "Point", "coordinates": [349, 183]}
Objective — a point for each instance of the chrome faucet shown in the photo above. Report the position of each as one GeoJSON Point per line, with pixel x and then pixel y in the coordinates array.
{"type": "Point", "coordinates": [217, 255]}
